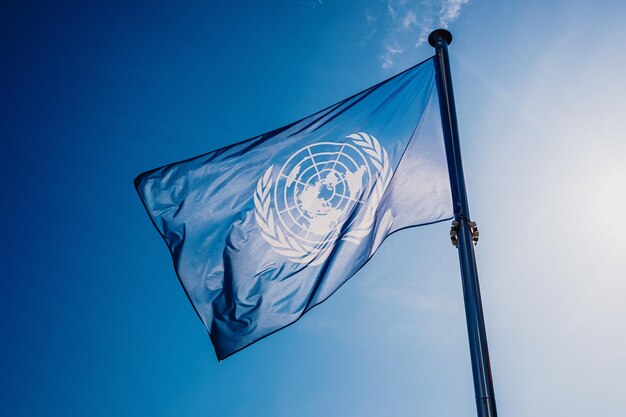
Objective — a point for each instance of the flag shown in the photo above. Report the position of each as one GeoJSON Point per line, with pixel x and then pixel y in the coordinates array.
{"type": "Point", "coordinates": [263, 230]}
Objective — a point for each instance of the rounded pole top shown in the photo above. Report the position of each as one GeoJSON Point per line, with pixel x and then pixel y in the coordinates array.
{"type": "Point", "coordinates": [439, 34]}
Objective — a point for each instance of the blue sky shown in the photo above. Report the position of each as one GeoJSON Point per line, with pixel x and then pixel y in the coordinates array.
{"type": "Point", "coordinates": [94, 321]}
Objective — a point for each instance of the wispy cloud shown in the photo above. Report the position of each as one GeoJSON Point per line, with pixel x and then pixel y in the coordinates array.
{"type": "Point", "coordinates": [372, 20]}
{"type": "Point", "coordinates": [370, 17]}
{"type": "Point", "coordinates": [312, 3]}
{"type": "Point", "coordinates": [450, 10]}
{"type": "Point", "coordinates": [391, 48]}
{"type": "Point", "coordinates": [410, 22]}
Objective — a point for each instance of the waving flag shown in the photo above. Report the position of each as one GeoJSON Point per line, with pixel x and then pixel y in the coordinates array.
{"type": "Point", "coordinates": [263, 230]}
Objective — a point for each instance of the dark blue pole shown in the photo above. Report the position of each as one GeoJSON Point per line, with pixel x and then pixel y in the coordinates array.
{"type": "Point", "coordinates": [481, 369]}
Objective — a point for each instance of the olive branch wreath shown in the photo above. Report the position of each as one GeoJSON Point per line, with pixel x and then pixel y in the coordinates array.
{"type": "Point", "coordinates": [289, 247]}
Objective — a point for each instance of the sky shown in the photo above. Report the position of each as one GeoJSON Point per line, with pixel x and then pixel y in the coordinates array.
{"type": "Point", "coordinates": [94, 321]}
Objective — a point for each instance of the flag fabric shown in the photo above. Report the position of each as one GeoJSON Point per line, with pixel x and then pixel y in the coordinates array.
{"type": "Point", "coordinates": [263, 230]}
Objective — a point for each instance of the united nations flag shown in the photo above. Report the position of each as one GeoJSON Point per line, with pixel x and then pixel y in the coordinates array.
{"type": "Point", "coordinates": [263, 230]}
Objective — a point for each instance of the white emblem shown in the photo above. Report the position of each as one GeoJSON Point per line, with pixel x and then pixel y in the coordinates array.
{"type": "Point", "coordinates": [318, 194]}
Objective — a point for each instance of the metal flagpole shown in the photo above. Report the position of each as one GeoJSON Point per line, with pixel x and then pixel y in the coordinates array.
{"type": "Point", "coordinates": [464, 232]}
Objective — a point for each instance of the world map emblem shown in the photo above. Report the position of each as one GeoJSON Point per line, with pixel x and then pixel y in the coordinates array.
{"type": "Point", "coordinates": [324, 193]}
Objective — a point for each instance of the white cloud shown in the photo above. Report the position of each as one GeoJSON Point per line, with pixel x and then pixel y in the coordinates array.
{"type": "Point", "coordinates": [371, 23]}
{"type": "Point", "coordinates": [371, 18]}
{"type": "Point", "coordinates": [391, 48]}
{"type": "Point", "coordinates": [450, 10]}
{"type": "Point", "coordinates": [392, 11]}
{"type": "Point", "coordinates": [312, 3]}
{"type": "Point", "coordinates": [410, 22]}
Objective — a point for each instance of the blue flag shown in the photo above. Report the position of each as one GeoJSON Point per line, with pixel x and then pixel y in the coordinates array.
{"type": "Point", "coordinates": [263, 230]}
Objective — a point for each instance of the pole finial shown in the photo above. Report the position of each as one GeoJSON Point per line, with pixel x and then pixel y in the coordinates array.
{"type": "Point", "coordinates": [439, 34]}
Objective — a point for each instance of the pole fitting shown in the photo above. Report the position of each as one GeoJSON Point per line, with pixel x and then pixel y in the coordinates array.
{"type": "Point", "coordinates": [454, 231]}
{"type": "Point", "coordinates": [474, 231]}
{"type": "Point", "coordinates": [437, 34]}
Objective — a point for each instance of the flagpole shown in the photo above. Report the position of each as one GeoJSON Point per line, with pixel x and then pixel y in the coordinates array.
{"type": "Point", "coordinates": [466, 232]}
